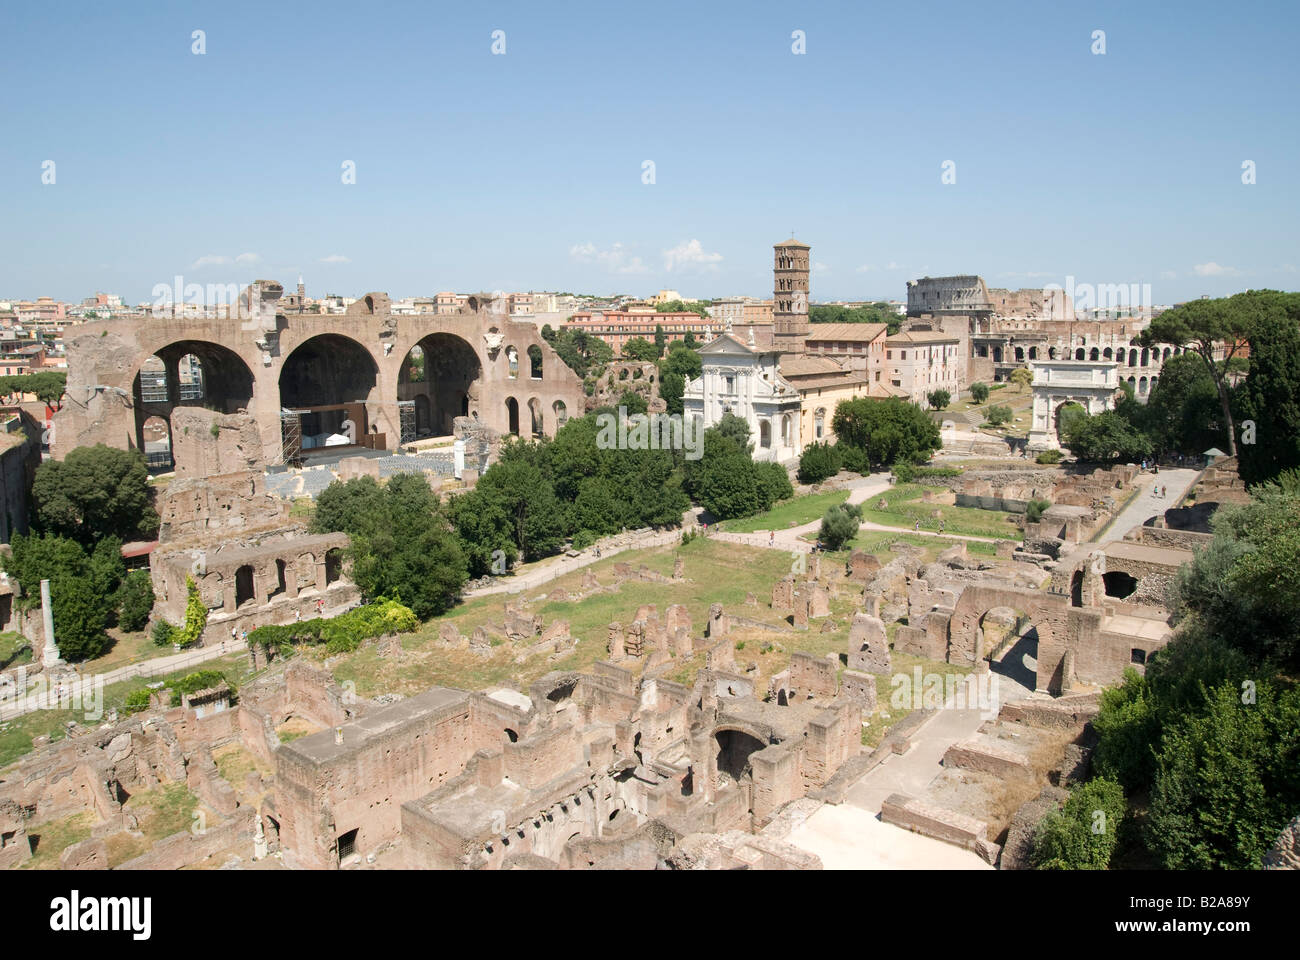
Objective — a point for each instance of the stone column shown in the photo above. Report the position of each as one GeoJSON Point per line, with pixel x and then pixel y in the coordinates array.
{"type": "Point", "coordinates": [50, 655]}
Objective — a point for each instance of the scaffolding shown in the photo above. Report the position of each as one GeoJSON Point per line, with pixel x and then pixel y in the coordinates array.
{"type": "Point", "coordinates": [291, 436]}
{"type": "Point", "coordinates": [406, 420]}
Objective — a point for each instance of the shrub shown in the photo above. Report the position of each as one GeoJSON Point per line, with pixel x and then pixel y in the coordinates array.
{"type": "Point", "coordinates": [163, 633]}
{"type": "Point", "coordinates": [583, 539]}
{"type": "Point", "coordinates": [1049, 456]}
{"type": "Point", "coordinates": [979, 392]}
{"type": "Point", "coordinates": [1034, 510]}
{"type": "Point", "coordinates": [854, 459]}
{"type": "Point", "coordinates": [137, 700]}
{"type": "Point", "coordinates": [774, 481]}
{"type": "Point", "coordinates": [904, 473]}
{"type": "Point", "coordinates": [341, 634]}
{"type": "Point", "coordinates": [838, 528]}
{"type": "Point", "coordinates": [135, 600]}
{"type": "Point", "coordinates": [818, 462]}
{"type": "Point", "coordinates": [196, 617]}
{"type": "Point", "coordinates": [1081, 836]}
{"type": "Point", "coordinates": [998, 415]}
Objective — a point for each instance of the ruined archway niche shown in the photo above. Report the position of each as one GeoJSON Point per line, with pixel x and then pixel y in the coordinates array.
{"type": "Point", "coordinates": [734, 750]}
{"type": "Point", "coordinates": [189, 373]}
{"type": "Point", "coordinates": [449, 374]}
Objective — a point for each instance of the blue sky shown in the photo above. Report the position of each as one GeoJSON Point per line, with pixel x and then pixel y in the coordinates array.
{"type": "Point", "coordinates": [524, 170]}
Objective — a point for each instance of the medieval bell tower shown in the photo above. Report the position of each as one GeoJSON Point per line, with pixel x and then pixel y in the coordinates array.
{"type": "Point", "coordinates": [790, 296]}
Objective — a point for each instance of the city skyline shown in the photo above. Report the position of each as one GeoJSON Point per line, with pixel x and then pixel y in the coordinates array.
{"type": "Point", "coordinates": [524, 169]}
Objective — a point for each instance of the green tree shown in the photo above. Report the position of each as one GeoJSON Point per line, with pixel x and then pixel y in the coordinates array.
{"type": "Point", "coordinates": [1227, 780]}
{"type": "Point", "coordinates": [1022, 377]}
{"type": "Point", "coordinates": [135, 600]}
{"type": "Point", "coordinates": [1104, 437]}
{"type": "Point", "coordinates": [818, 462]}
{"type": "Point", "coordinates": [79, 618]}
{"type": "Point", "coordinates": [676, 370]}
{"type": "Point", "coordinates": [774, 481]}
{"type": "Point", "coordinates": [724, 480]}
{"type": "Point", "coordinates": [1270, 396]}
{"type": "Point", "coordinates": [536, 517]}
{"type": "Point", "coordinates": [998, 415]}
{"type": "Point", "coordinates": [485, 531]}
{"type": "Point", "coordinates": [838, 528]}
{"type": "Point", "coordinates": [661, 339]}
{"type": "Point", "coordinates": [735, 429]}
{"type": "Point", "coordinates": [45, 557]}
{"type": "Point", "coordinates": [633, 402]}
{"type": "Point", "coordinates": [1182, 413]}
{"type": "Point", "coordinates": [938, 399]}
{"type": "Point", "coordinates": [700, 307]}
{"type": "Point", "coordinates": [886, 431]}
{"type": "Point", "coordinates": [1210, 326]}
{"type": "Point", "coordinates": [93, 493]}
{"type": "Point", "coordinates": [639, 348]}
{"type": "Point", "coordinates": [402, 542]}
{"type": "Point", "coordinates": [979, 392]}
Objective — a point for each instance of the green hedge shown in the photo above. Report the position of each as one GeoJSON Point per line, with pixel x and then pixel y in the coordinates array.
{"type": "Point", "coordinates": [137, 700]}
{"type": "Point", "coordinates": [341, 634]}
{"type": "Point", "coordinates": [199, 680]}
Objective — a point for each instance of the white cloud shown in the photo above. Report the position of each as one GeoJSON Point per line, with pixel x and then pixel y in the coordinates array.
{"type": "Point", "coordinates": [893, 266]}
{"type": "Point", "coordinates": [335, 258]}
{"type": "Point", "coordinates": [247, 258]}
{"type": "Point", "coordinates": [616, 259]}
{"type": "Point", "coordinates": [211, 260]}
{"type": "Point", "coordinates": [821, 268]}
{"type": "Point", "coordinates": [1213, 269]}
{"type": "Point", "coordinates": [865, 268]}
{"type": "Point", "coordinates": [690, 253]}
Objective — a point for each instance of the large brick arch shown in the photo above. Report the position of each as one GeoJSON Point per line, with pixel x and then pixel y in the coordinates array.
{"type": "Point", "coordinates": [1050, 613]}
{"type": "Point", "coordinates": [104, 357]}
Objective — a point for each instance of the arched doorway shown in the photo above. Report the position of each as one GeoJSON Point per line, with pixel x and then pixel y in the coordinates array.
{"type": "Point", "coordinates": [157, 443]}
{"type": "Point", "coordinates": [192, 373]}
{"type": "Point", "coordinates": [512, 415]}
{"type": "Point", "coordinates": [1067, 412]}
{"type": "Point", "coordinates": [440, 373]}
{"type": "Point", "coordinates": [328, 380]}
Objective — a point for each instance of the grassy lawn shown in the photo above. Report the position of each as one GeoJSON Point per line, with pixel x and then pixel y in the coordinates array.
{"type": "Point", "coordinates": [14, 649]}
{"type": "Point", "coordinates": [874, 541]}
{"type": "Point", "coordinates": [126, 648]}
{"type": "Point", "coordinates": [794, 512]}
{"type": "Point", "coordinates": [905, 507]}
